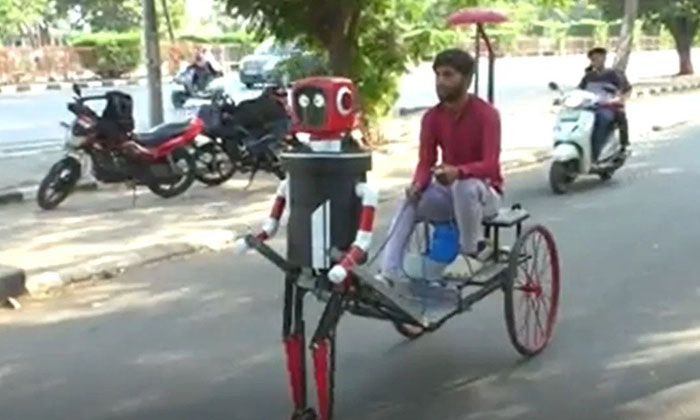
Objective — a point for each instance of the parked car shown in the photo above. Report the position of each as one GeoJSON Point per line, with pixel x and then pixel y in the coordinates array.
{"type": "Point", "coordinates": [260, 67]}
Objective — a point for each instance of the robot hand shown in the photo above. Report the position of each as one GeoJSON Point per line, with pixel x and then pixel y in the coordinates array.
{"type": "Point", "coordinates": [241, 246]}
{"type": "Point", "coordinates": [337, 274]}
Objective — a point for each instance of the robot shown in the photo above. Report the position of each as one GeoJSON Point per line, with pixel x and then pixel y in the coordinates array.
{"type": "Point", "coordinates": [331, 216]}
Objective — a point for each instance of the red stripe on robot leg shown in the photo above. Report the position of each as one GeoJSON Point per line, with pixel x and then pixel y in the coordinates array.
{"type": "Point", "coordinates": [292, 346]}
{"type": "Point", "coordinates": [321, 353]}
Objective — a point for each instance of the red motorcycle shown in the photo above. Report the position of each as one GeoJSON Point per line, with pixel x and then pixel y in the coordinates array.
{"type": "Point", "coordinates": [158, 159]}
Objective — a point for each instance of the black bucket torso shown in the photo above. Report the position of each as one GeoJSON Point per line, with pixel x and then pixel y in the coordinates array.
{"type": "Point", "coordinates": [324, 206]}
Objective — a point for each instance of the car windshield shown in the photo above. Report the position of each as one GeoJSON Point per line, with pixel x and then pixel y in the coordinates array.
{"type": "Point", "coordinates": [270, 47]}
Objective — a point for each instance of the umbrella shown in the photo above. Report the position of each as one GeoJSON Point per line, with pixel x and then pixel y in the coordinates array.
{"type": "Point", "coordinates": [476, 15]}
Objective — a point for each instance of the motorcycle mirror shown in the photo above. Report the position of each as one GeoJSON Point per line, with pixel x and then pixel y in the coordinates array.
{"type": "Point", "coordinates": [553, 86]}
{"type": "Point", "coordinates": [77, 90]}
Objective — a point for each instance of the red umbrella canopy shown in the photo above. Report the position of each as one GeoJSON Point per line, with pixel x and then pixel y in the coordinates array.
{"type": "Point", "coordinates": [476, 15]}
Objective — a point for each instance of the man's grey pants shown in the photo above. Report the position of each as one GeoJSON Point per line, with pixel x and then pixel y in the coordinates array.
{"type": "Point", "coordinates": [471, 200]}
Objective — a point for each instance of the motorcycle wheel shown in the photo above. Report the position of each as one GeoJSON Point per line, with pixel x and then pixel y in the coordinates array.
{"type": "Point", "coordinates": [178, 98]}
{"type": "Point", "coordinates": [214, 165]}
{"type": "Point", "coordinates": [559, 178]}
{"type": "Point", "coordinates": [186, 163]}
{"type": "Point", "coordinates": [58, 183]}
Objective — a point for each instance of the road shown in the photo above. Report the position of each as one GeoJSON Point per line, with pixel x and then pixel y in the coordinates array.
{"type": "Point", "coordinates": [200, 338]}
{"type": "Point", "coordinates": [30, 134]}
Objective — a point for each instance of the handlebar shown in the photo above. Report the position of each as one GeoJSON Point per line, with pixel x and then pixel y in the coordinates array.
{"type": "Point", "coordinates": [92, 98]}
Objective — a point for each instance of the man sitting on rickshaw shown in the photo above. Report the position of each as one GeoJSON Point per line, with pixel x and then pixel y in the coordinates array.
{"type": "Point", "coordinates": [469, 184]}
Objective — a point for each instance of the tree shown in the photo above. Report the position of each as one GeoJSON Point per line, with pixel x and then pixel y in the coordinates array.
{"type": "Point", "coordinates": [370, 41]}
{"type": "Point", "coordinates": [102, 15]}
{"type": "Point", "coordinates": [680, 17]}
{"type": "Point", "coordinates": [115, 15]}
{"type": "Point", "coordinates": [624, 47]}
{"type": "Point", "coordinates": [17, 18]}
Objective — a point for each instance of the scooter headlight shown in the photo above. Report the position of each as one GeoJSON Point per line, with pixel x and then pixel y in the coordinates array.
{"type": "Point", "coordinates": [573, 101]}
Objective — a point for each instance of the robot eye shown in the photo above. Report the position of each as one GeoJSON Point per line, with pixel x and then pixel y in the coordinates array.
{"type": "Point", "coordinates": [344, 101]}
{"type": "Point", "coordinates": [304, 101]}
{"type": "Point", "coordinates": [319, 101]}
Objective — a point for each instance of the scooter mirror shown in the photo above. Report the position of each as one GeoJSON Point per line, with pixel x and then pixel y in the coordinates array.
{"type": "Point", "coordinates": [77, 90]}
{"type": "Point", "coordinates": [553, 86]}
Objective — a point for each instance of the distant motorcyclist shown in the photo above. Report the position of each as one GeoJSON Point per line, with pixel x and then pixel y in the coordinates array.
{"type": "Point", "coordinates": [615, 88]}
{"type": "Point", "coordinates": [206, 68]}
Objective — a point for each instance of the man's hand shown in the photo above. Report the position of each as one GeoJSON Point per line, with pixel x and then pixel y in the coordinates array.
{"type": "Point", "coordinates": [413, 194]}
{"type": "Point", "coordinates": [446, 174]}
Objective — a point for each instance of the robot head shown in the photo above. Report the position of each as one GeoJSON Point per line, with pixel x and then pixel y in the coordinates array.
{"type": "Point", "coordinates": [324, 107]}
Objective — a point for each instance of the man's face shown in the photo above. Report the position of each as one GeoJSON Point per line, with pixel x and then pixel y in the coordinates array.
{"type": "Point", "coordinates": [598, 60]}
{"type": "Point", "coordinates": [450, 84]}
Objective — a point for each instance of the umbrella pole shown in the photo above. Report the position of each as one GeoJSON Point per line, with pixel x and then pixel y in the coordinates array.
{"type": "Point", "coordinates": [478, 54]}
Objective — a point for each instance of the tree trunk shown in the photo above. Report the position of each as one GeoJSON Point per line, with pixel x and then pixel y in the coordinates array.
{"type": "Point", "coordinates": [683, 30]}
{"type": "Point", "coordinates": [624, 47]}
{"type": "Point", "coordinates": [340, 54]}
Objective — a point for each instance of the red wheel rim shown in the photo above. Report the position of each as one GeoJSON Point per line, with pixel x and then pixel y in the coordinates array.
{"type": "Point", "coordinates": [536, 290]}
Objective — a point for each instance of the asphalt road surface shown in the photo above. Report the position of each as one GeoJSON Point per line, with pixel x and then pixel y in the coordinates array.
{"type": "Point", "coordinates": [200, 338]}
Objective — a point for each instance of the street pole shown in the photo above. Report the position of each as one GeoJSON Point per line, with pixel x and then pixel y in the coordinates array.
{"type": "Point", "coordinates": [152, 59]}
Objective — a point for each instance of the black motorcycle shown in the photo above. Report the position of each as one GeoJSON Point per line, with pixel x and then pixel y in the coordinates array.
{"type": "Point", "coordinates": [251, 134]}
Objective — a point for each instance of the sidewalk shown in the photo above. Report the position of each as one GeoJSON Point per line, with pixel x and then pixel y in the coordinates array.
{"type": "Point", "coordinates": [98, 234]}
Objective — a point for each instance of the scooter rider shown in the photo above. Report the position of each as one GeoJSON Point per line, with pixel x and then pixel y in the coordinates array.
{"type": "Point", "coordinates": [206, 68]}
{"type": "Point", "coordinates": [613, 84]}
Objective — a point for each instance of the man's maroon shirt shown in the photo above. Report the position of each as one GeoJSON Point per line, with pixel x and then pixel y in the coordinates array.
{"type": "Point", "coordinates": [469, 139]}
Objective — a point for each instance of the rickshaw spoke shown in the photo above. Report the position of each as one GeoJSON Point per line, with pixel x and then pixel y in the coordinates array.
{"type": "Point", "coordinates": [539, 321]}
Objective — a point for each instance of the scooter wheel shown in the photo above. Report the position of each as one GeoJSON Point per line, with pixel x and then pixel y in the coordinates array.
{"type": "Point", "coordinates": [178, 99]}
{"type": "Point", "coordinates": [559, 178]}
{"type": "Point", "coordinates": [606, 176]}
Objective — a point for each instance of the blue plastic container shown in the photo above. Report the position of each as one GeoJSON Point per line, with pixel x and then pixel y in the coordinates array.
{"type": "Point", "coordinates": [444, 246]}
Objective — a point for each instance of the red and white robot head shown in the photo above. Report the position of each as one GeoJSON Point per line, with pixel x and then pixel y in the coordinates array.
{"type": "Point", "coordinates": [324, 107]}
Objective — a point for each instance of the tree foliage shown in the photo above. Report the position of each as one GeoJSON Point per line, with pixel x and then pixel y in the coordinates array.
{"type": "Point", "coordinates": [680, 17]}
{"type": "Point", "coordinates": [17, 15]}
{"type": "Point", "coordinates": [371, 41]}
{"type": "Point", "coordinates": [115, 15]}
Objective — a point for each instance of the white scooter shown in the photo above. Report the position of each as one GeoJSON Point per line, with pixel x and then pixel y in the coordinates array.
{"type": "Point", "coordinates": [189, 94]}
{"type": "Point", "coordinates": [573, 132]}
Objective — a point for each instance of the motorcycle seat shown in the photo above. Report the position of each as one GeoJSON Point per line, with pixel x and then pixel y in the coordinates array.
{"type": "Point", "coordinates": [162, 133]}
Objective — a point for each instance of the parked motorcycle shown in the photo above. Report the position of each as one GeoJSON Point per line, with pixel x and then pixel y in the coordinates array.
{"type": "Point", "coordinates": [158, 159]}
{"type": "Point", "coordinates": [191, 90]}
{"type": "Point", "coordinates": [573, 132]}
{"type": "Point", "coordinates": [252, 133]}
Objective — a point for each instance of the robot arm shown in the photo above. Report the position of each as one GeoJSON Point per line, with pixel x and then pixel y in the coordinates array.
{"type": "Point", "coordinates": [271, 225]}
{"type": "Point", "coordinates": [359, 249]}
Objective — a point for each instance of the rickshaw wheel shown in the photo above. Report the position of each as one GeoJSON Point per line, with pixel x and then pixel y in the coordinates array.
{"type": "Point", "coordinates": [409, 331]}
{"type": "Point", "coordinates": [532, 292]}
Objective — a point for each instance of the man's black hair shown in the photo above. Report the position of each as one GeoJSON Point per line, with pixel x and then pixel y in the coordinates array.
{"type": "Point", "coordinates": [597, 50]}
{"type": "Point", "coordinates": [459, 60]}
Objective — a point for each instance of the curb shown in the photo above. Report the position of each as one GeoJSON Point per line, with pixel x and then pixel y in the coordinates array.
{"type": "Point", "coordinates": [60, 86]}
{"type": "Point", "coordinates": [12, 282]}
{"type": "Point", "coordinates": [39, 281]}
{"type": "Point", "coordinates": [19, 195]}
